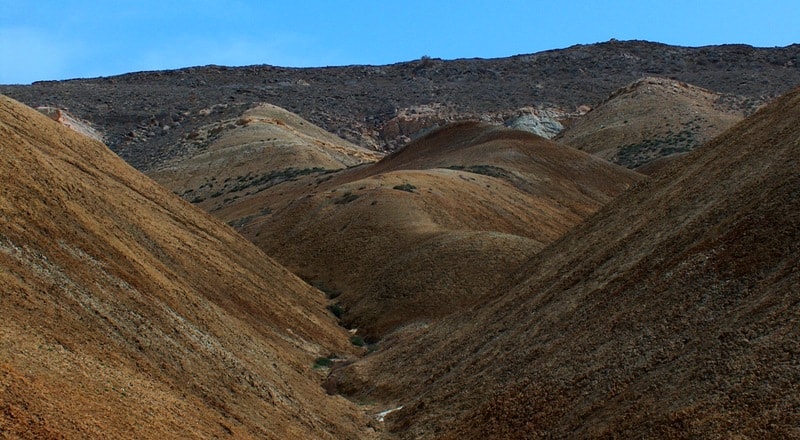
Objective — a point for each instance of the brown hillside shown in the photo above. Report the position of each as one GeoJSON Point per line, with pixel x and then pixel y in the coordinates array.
{"type": "Point", "coordinates": [672, 313]}
{"type": "Point", "coordinates": [432, 228]}
{"type": "Point", "coordinates": [128, 313]}
{"type": "Point", "coordinates": [650, 119]}
{"type": "Point", "coordinates": [266, 145]}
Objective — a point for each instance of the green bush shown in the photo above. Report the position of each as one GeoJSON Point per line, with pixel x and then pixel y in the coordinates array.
{"type": "Point", "coordinates": [358, 341]}
{"type": "Point", "coordinates": [407, 187]}
{"type": "Point", "coordinates": [337, 310]}
{"type": "Point", "coordinates": [346, 198]}
{"type": "Point", "coordinates": [323, 362]}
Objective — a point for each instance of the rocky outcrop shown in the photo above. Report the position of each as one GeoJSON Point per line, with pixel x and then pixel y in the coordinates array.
{"type": "Point", "coordinates": [78, 125]}
{"type": "Point", "coordinates": [543, 122]}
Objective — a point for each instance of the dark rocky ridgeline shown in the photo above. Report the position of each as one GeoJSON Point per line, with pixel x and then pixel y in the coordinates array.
{"type": "Point", "coordinates": [144, 115]}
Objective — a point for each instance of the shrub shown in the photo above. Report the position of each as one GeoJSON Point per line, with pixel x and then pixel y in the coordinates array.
{"type": "Point", "coordinates": [323, 362]}
{"type": "Point", "coordinates": [336, 309]}
{"type": "Point", "coordinates": [330, 292]}
{"type": "Point", "coordinates": [346, 198]}
{"type": "Point", "coordinates": [407, 187]}
{"type": "Point", "coordinates": [486, 170]}
{"type": "Point", "coordinates": [358, 341]}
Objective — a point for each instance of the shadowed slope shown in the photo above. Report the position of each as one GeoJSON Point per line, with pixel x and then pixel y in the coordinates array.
{"type": "Point", "coordinates": [434, 227]}
{"type": "Point", "coordinates": [128, 313]}
{"type": "Point", "coordinates": [672, 313]}
{"type": "Point", "coordinates": [650, 119]}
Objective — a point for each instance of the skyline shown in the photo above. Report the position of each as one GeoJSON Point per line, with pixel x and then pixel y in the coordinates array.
{"type": "Point", "coordinates": [50, 40]}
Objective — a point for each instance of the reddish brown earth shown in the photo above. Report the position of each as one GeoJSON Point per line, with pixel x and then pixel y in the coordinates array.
{"type": "Point", "coordinates": [128, 313]}
{"type": "Point", "coordinates": [500, 310]}
{"type": "Point", "coordinates": [674, 312]}
{"type": "Point", "coordinates": [431, 229]}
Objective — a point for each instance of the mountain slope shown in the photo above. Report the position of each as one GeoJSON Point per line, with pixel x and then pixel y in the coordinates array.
{"type": "Point", "coordinates": [650, 119]}
{"type": "Point", "coordinates": [128, 313]}
{"type": "Point", "coordinates": [434, 227]}
{"type": "Point", "coordinates": [672, 313]}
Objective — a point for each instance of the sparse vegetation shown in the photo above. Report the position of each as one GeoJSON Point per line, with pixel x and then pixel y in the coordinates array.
{"type": "Point", "coordinates": [323, 362]}
{"type": "Point", "coordinates": [330, 292]}
{"type": "Point", "coordinates": [238, 223]}
{"type": "Point", "coordinates": [635, 155]}
{"type": "Point", "coordinates": [337, 310]}
{"type": "Point", "coordinates": [407, 187]}
{"type": "Point", "coordinates": [273, 178]}
{"type": "Point", "coordinates": [346, 198]}
{"type": "Point", "coordinates": [358, 341]}
{"type": "Point", "coordinates": [486, 170]}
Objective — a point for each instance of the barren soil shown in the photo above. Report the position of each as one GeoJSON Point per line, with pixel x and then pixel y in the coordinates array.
{"type": "Point", "coordinates": [129, 313]}
{"type": "Point", "coordinates": [431, 229]}
{"type": "Point", "coordinates": [672, 313]}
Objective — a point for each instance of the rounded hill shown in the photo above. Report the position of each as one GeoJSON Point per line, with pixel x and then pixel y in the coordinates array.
{"type": "Point", "coordinates": [432, 228]}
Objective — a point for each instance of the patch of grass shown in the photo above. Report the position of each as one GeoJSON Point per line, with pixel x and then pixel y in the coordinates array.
{"type": "Point", "coordinates": [486, 170]}
{"type": "Point", "coordinates": [358, 341]}
{"type": "Point", "coordinates": [274, 177]}
{"type": "Point", "coordinates": [323, 362]}
{"type": "Point", "coordinates": [635, 155]}
{"type": "Point", "coordinates": [407, 187]}
{"type": "Point", "coordinates": [337, 310]}
{"type": "Point", "coordinates": [346, 198]}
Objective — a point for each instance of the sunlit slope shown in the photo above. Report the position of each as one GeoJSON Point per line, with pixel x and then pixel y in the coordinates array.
{"type": "Point", "coordinates": [128, 313]}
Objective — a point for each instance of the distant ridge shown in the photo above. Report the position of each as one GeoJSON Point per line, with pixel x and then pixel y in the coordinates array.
{"type": "Point", "coordinates": [359, 103]}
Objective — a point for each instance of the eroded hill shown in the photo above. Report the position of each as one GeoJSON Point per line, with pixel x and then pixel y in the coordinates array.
{"type": "Point", "coordinates": [264, 146]}
{"type": "Point", "coordinates": [651, 119]}
{"type": "Point", "coordinates": [672, 313]}
{"type": "Point", "coordinates": [128, 313]}
{"type": "Point", "coordinates": [432, 228]}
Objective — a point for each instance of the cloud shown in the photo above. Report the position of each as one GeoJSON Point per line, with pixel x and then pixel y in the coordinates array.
{"type": "Point", "coordinates": [31, 54]}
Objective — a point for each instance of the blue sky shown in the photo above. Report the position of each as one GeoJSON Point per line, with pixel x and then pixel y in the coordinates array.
{"type": "Point", "coordinates": [42, 39]}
